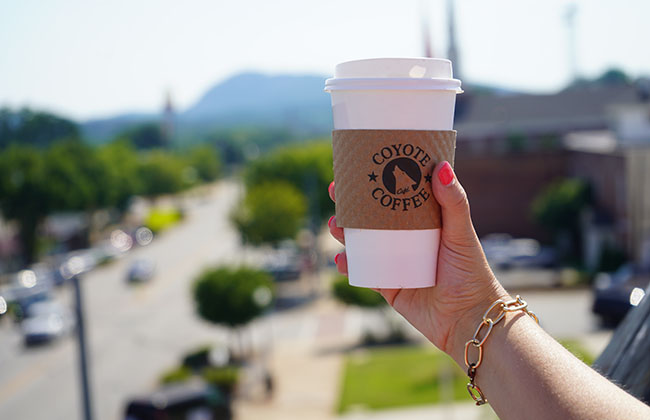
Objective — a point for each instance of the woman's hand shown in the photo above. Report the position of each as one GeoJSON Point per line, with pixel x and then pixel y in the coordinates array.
{"type": "Point", "coordinates": [448, 313]}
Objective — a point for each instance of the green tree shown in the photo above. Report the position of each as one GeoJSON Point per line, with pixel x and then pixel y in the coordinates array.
{"type": "Point", "coordinates": [270, 213]}
{"type": "Point", "coordinates": [614, 76]}
{"type": "Point", "coordinates": [145, 136]}
{"type": "Point", "coordinates": [308, 167]}
{"type": "Point", "coordinates": [206, 161]}
{"type": "Point", "coordinates": [160, 172]}
{"type": "Point", "coordinates": [39, 129]}
{"type": "Point", "coordinates": [559, 205]}
{"type": "Point", "coordinates": [77, 180]}
{"type": "Point", "coordinates": [121, 162]}
{"type": "Point", "coordinates": [357, 296]}
{"type": "Point", "coordinates": [558, 208]}
{"type": "Point", "coordinates": [23, 194]}
{"type": "Point", "coordinates": [231, 296]}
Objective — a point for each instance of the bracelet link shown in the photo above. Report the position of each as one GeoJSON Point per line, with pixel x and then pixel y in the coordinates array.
{"type": "Point", "coordinates": [517, 304]}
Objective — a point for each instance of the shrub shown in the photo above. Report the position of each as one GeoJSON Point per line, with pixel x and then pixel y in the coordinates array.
{"type": "Point", "coordinates": [179, 374]}
{"type": "Point", "coordinates": [359, 296]}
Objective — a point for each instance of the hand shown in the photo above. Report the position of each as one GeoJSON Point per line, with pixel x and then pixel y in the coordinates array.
{"type": "Point", "coordinates": [448, 313]}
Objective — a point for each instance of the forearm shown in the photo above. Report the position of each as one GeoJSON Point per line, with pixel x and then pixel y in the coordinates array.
{"type": "Point", "coordinates": [526, 374]}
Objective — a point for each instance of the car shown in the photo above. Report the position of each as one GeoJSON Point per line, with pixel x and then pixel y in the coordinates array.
{"type": "Point", "coordinates": [20, 298]}
{"type": "Point", "coordinates": [283, 264]}
{"type": "Point", "coordinates": [190, 400]}
{"type": "Point", "coordinates": [141, 270]}
{"type": "Point", "coordinates": [504, 252]}
{"type": "Point", "coordinates": [616, 293]}
{"type": "Point", "coordinates": [46, 321]}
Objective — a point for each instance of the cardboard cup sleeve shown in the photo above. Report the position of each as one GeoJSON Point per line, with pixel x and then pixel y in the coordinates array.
{"type": "Point", "coordinates": [383, 177]}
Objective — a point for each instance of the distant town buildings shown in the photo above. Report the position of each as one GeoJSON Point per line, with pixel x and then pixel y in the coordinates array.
{"type": "Point", "coordinates": [512, 146]}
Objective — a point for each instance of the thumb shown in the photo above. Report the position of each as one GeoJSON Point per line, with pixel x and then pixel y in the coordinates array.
{"type": "Point", "coordinates": [456, 220]}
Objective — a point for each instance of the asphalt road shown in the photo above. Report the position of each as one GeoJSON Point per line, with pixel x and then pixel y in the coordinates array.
{"type": "Point", "coordinates": [135, 332]}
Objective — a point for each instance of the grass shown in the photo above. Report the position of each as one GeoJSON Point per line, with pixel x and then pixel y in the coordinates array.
{"type": "Point", "coordinates": [578, 351]}
{"type": "Point", "coordinates": [160, 219]}
{"type": "Point", "coordinates": [400, 376]}
{"type": "Point", "coordinates": [392, 377]}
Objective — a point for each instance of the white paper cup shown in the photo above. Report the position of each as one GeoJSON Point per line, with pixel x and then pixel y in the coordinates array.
{"type": "Point", "coordinates": [390, 94]}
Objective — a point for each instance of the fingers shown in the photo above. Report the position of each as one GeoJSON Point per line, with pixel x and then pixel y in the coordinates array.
{"type": "Point", "coordinates": [341, 261]}
{"type": "Point", "coordinates": [456, 220]}
{"type": "Point", "coordinates": [336, 231]}
{"type": "Point", "coordinates": [330, 189]}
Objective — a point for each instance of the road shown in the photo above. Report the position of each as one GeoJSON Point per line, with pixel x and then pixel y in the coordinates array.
{"type": "Point", "coordinates": [134, 332]}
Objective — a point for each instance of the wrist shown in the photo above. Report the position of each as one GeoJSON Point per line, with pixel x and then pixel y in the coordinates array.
{"type": "Point", "coordinates": [464, 328]}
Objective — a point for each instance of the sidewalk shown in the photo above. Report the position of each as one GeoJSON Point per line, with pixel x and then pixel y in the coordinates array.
{"type": "Point", "coordinates": [455, 411]}
{"type": "Point", "coordinates": [306, 369]}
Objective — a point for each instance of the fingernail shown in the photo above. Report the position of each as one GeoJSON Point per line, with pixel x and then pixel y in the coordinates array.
{"type": "Point", "coordinates": [446, 174]}
{"type": "Point", "coordinates": [336, 259]}
{"type": "Point", "coordinates": [329, 189]}
{"type": "Point", "coordinates": [329, 222]}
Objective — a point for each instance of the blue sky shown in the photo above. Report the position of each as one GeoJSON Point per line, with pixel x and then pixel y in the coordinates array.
{"type": "Point", "coordinates": [88, 58]}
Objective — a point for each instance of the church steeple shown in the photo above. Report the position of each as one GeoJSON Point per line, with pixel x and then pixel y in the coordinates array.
{"type": "Point", "coordinates": [452, 50]}
{"type": "Point", "coordinates": [426, 31]}
{"type": "Point", "coordinates": [167, 123]}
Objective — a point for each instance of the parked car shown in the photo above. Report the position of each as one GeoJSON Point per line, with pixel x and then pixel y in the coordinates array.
{"type": "Point", "coordinates": [20, 298]}
{"type": "Point", "coordinates": [503, 251]}
{"type": "Point", "coordinates": [190, 400]}
{"type": "Point", "coordinates": [283, 264]}
{"type": "Point", "coordinates": [141, 270]}
{"type": "Point", "coordinates": [45, 321]}
{"type": "Point", "coordinates": [616, 293]}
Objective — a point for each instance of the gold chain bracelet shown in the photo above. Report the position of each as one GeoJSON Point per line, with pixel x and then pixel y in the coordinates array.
{"type": "Point", "coordinates": [517, 304]}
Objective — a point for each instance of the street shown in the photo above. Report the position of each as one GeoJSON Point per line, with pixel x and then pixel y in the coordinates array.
{"type": "Point", "coordinates": [138, 331]}
{"type": "Point", "coordinates": [135, 331]}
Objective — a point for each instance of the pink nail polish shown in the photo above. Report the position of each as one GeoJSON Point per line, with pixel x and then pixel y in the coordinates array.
{"type": "Point", "coordinates": [330, 187]}
{"type": "Point", "coordinates": [329, 222]}
{"type": "Point", "coordinates": [336, 259]}
{"type": "Point", "coordinates": [446, 174]}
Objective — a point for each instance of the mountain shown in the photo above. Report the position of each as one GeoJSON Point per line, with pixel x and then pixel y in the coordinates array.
{"type": "Point", "coordinates": [100, 130]}
{"type": "Point", "coordinates": [295, 102]}
{"type": "Point", "coordinates": [258, 93]}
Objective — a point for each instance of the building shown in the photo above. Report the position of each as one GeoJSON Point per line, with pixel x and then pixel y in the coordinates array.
{"type": "Point", "coordinates": [511, 147]}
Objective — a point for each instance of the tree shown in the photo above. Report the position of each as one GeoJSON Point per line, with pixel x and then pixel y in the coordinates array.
{"type": "Point", "coordinates": [270, 212]}
{"type": "Point", "coordinates": [38, 129]}
{"type": "Point", "coordinates": [232, 297]}
{"type": "Point", "coordinates": [206, 161]}
{"type": "Point", "coordinates": [23, 195]}
{"type": "Point", "coordinates": [77, 180]}
{"type": "Point", "coordinates": [613, 76]}
{"type": "Point", "coordinates": [308, 167]}
{"type": "Point", "coordinates": [369, 299]}
{"type": "Point", "coordinates": [145, 136]}
{"type": "Point", "coordinates": [161, 172]}
{"type": "Point", "coordinates": [558, 208]}
{"type": "Point", "coordinates": [121, 162]}
{"type": "Point", "coordinates": [357, 296]}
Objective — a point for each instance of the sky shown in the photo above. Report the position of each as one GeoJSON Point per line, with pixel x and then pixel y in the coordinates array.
{"type": "Point", "coordinates": [89, 58]}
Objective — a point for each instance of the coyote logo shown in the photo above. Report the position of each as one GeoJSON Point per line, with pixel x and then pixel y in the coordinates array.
{"type": "Point", "coordinates": [403, 182]}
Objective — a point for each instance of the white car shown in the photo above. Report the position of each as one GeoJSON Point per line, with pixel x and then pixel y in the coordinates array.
{"type": "Point", "coordinates": [46, 321]}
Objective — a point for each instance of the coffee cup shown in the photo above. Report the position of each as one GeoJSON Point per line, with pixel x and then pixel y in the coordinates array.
{"type": "Point", "coordinates": [393, 120]}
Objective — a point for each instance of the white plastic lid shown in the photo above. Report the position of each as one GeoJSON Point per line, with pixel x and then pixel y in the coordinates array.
{"type": "Point", "coordinates": [394, 73]}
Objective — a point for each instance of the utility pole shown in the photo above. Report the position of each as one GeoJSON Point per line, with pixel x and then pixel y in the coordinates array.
{"type": "Point", "coordinates": [573, 53]}
{"type": "Point", "coordinates": [81, 340]}
{"type": "Point", "coordinates": [426, 33]}
{"type": "Point", "coordinates": [452, 49]}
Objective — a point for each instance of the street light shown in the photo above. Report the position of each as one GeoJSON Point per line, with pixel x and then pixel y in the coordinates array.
{"type": "Point", "coordinates": [71, 270]}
